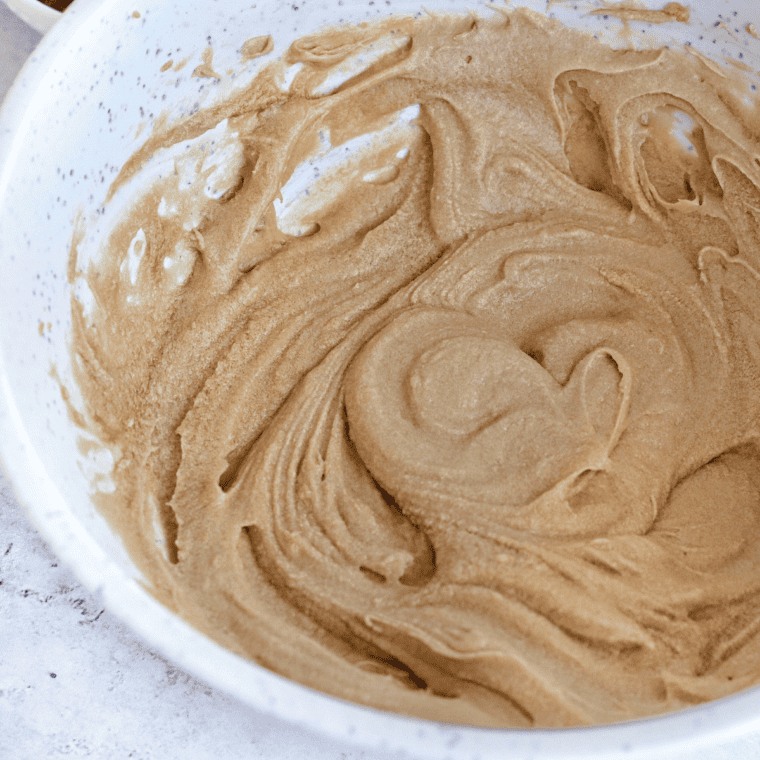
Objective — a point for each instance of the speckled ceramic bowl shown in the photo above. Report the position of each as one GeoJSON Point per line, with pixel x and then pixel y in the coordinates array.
{"type": "Point", "coordinates": [78, 110]}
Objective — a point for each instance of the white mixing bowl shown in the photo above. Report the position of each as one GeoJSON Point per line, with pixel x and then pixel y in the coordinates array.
{"type": "Point", "coordinates": [76, 113]}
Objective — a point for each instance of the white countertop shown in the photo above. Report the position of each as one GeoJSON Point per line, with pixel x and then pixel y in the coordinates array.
{"type": "Point", "coordinates": [76, 682]}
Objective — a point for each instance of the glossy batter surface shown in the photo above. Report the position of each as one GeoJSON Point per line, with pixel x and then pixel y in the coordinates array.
{"type": "Point", "coordinates": [469, 431]}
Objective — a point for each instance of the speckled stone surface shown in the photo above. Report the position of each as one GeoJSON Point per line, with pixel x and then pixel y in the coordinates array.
{"type": "Point", "coordinates": [75, 682]}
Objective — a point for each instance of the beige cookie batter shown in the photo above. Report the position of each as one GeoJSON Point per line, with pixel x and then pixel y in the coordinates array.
{"type": "Point", "coordinates": [472, 436]}
{"type": "Point", "coordinates": [631, 11]}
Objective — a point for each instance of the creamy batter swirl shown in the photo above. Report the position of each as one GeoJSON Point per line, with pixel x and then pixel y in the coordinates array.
{"type": "Point", "coordinates": [472, 434]}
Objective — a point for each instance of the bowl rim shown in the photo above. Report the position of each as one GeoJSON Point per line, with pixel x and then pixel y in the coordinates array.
{"type": "Point", "coordinates": [661, 736]}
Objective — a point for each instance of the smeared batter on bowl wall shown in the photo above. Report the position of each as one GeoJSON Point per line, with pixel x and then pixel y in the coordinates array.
{"type": "Point", "coordinates": [473, 435]}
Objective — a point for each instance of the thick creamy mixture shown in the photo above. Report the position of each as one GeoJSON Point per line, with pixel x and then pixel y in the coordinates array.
{"type": "Point", "coordinates": [470, 431]}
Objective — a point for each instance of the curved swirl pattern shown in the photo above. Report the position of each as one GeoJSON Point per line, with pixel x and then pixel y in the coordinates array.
{"type": "Point", "coordinates": [480, 442]}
